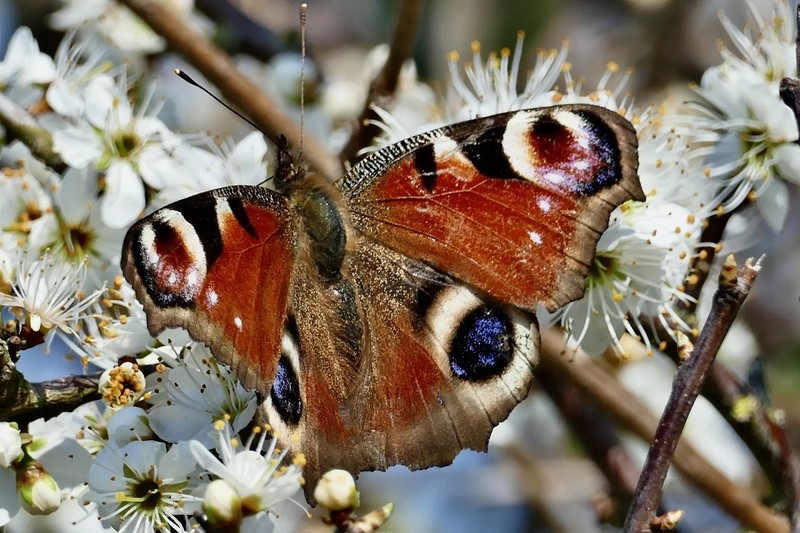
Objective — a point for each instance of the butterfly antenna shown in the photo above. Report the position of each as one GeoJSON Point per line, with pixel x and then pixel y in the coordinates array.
{"type": "Point", "coordinates": [188, 79]}
{"type": "Point", "coordinates": [303, 16]}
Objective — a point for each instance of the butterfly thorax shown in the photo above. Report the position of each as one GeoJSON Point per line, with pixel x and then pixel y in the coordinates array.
{"type": "Point", "coordinates": [324, 229]}
{"type": "Point", "coordinates": [323, 233]}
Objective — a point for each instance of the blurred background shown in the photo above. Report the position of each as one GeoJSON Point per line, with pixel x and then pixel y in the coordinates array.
{"type": "Point", "coordinates": [536, 477]}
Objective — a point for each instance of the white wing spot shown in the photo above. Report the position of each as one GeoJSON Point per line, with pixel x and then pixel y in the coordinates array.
{"type": "Point", "coordinates": [535, 237]}
{"type": "Point", "coordinates": [212, 298]}
{"type": "Point", "coordinates": [238, 322]}
{"type": "Point", "coordinates": [544, 204]}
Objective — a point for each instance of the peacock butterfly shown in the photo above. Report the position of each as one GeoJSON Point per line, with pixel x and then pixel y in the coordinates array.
{"type": "Point", "coordinates": [389, 318]}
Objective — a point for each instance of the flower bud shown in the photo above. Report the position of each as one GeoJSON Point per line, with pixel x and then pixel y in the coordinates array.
{"type": "Point", "coordinates": [37, 489]}
{"type": "Point", "coordinates": [121, 385]}
{"type": "Point", "coordinates": [222, 506]}
{"type": "Point", "coordinates": [10, 444]}
{"type": "Point", "coordinates": [336, 491]}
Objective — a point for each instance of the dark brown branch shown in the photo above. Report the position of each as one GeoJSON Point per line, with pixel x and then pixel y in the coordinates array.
{"type": "Point", "coordinates": [701, 264]}
{"type": "Point", "coordinates": [385, 84]}
{"type": "Point", "coordinates": [789, 87]}
{"type": "Point", "coordinates": [730, 296]}
{"type": "Point", "coordinates": [51, 398]}
{"type": "Point", "coordinates": [220, 70]}
{"type": "Point", "coordinates": [19, 124]}
{"type": "Point", "coordinates": [625, 409]}
{"type": "Point", "coordinates": [23, 402]}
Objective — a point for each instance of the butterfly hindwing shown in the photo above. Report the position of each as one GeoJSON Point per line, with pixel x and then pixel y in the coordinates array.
{"type": "Point", "coordinates": [512, 204]}
{"type": "Point", "coordinates": [435, 368]}
{"type": "Point", "coordinates": [218, 264]}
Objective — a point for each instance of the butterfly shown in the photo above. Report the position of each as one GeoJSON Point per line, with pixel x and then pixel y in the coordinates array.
{"type": "Point", "coordinates": [389, 318]}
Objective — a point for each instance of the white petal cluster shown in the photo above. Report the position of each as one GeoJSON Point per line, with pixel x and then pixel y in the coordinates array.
{"type": "Point", "coordinates": [743, 134]}
{"type": "Point", "coordinates": [190, 397]}
{"type": "Point", "coordinates": [256, 476]}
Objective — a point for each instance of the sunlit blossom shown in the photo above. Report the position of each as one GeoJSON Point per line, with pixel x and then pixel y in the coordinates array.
{"type": "Point", "coordinates": [48, 294]}
{"type": "Point", "coordinates": [143, 486]}
{"type": "Point", "coordinates": [255, 470]}
{"type": "Point", "coordinates": [188, 399]}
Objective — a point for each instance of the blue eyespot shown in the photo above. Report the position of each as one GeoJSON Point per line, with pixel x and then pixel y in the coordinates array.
{"type": "Point", "coordinates": [285, 393]}
{"type": "Point", "coordinates": [483, 345]}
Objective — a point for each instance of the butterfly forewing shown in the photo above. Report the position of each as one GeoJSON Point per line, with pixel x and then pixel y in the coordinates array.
{"type": "Point", "coordinates": [218, 264]}
{"type": "Point", "coordinates": [512, 204]}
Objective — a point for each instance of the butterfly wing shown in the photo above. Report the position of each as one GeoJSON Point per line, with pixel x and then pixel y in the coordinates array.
{"type": "Point", "coordinates": [427, 367]}
{"type": "Point", "coordinates": [218, 264]}
{"type": "Point", "coordinates": [512, 204]}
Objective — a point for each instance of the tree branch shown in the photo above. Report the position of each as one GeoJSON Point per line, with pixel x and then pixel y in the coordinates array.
{"type": "Point", "coordinates": [21, 125]}
{"type": "Point", "coordinates": [220, 69]}
{"type": "Point", "coordinates": [604, 391]}
{"type": "Point", "coordinates": [730, 296]}
{"type": "Point", "coordinates": [22, 401]}
{"type": "Point", "coordinates": [598, 435]}
{"type": "Point", "coordinates": [384, 85]}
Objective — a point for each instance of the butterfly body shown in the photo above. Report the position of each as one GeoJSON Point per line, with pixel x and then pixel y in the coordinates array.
{"type": "Point", "coordinates": [389, 318]}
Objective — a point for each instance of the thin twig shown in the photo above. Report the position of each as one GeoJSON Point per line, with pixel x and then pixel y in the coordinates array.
{"type": "Point", "coordinates": [730, 296]}
{"type": "Point", "coordinates": [21, 125]}
{"type": "Point", "coordinates": [700, 267]}
{"type": "Point", "coordinates": [220, 70]}
{"type": "Point", "coordinates": [384, 85]}
{"type": "Point", "coordinates": [603, 390]}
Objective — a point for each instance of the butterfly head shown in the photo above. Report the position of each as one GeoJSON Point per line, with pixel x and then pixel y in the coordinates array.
{"type": "Point", "coordinates": [288, 168]}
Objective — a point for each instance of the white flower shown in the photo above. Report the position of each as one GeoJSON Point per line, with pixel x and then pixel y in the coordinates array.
{"type": "Point", "coordinates": [24, 204]}
{"type": "Point", "coordinates": [241, 163]}
{"type": "Point", "coordinates": [746, 140]}
{"type": "Point", "coordinates": [58, 437]}
{"type": "Point", "coordinates": [10, 444]}
{"type": "Point", "coordinates": [491, 86]}
{"type": "Point", "coordinates": [128, 147]}
{"type": "Point", "coordinates": [745, 135]}
{"type": "Point", "coordinates": [118, 327]}
{"type": "Point", "coordinates": [24, 66]}
{"type": "Point", "coordinates": [78, 65]}
{"type": "Point", "coordinates": [188, 399]}
{"type": "Point", "coordinates": [129, 424]}
{"type": "Point", "coordinates": [48, 293]}
{"type": "Point", "coordinates": [142, 486]}
{"type": "Point", "coordinates": [257, 475]}
{"type": "Point", "coordinates": [121, 385]}
{"type": "Point", "coordinates": [118, 25]}
{"type": "Point", "coordinates": [634, 274]}
{"type": "Point", "coordinates": [76, 232]}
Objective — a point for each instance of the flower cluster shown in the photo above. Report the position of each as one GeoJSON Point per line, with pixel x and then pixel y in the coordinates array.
{"type": "Point", "coordinates": [743, 134]}
{"type": "Point", "coordinates": [134, 463]}
{"type": "Point", "coordinates": [165, 446]}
